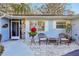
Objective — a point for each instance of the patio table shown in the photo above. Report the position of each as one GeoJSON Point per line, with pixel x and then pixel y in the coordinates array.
{"type": "Point", "coordinates": [51, 39]}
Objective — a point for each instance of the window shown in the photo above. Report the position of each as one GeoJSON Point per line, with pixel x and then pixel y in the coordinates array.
{"type": "Point", "coordinates": [40, 25]}
{"type": "Point", "coordinates": [60, 24]}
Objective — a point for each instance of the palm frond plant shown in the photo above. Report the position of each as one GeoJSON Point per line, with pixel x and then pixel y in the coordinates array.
{"type": "Point", "coordinates": [16, 8]}
{"type": "Point", "coordinates": [25, 8]}
{"type": "Point", "coordinates": [21, 8]}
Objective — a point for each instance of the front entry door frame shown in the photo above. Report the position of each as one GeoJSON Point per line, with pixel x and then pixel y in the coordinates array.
{"type": "Point", "coordinates": [15, 37]}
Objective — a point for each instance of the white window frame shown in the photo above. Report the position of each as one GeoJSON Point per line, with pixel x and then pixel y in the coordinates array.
{"type": "Point", "coordinates": [61, 24]}
{"type": "Point", "coordinates": [38, 26]}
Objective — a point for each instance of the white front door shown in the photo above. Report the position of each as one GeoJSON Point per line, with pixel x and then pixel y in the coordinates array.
{"type": "Point", "coordinates": [15, 29]}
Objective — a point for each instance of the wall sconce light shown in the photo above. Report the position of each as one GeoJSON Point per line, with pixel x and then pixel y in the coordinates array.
{"type": "Point", "coordinates": [5, 26]}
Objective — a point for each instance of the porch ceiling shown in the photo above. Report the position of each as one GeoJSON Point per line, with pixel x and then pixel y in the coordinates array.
{"type": "Point", "coordinates": [42, 17]}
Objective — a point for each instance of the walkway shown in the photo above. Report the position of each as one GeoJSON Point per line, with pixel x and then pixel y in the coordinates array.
{"type": "Point", "coordinates": [16, 48]}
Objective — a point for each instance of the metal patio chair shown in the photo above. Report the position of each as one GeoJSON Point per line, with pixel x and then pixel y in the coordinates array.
{"type": "Point", "coordinates": [63, 38]}
{"type": "Point", "coordinates": [42, 37]}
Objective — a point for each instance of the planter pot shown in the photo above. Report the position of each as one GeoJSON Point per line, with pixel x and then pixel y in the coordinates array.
{"type": "Point", "coordinates": [1, 49]}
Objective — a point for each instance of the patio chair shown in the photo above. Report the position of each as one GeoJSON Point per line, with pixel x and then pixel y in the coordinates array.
{"type": "Point", "coordinates": [42, 37]}
{"type": "Point", "coordinates": [63, 38]}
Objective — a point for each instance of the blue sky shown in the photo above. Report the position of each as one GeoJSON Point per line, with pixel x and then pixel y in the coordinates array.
{"type": "Point", "coordinates": [73, 6]}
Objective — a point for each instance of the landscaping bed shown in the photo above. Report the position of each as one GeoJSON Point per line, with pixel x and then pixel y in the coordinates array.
{"type": "Point", "coordinates": [1, 49]}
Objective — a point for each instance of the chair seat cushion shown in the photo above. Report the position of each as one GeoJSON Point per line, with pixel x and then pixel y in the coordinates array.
{"type": "Point", "coordinates": [43, 38]}
{"type": "Point", "coordinates": [64, 39]}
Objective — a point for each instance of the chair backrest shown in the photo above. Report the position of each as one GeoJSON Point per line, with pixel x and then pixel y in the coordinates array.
{"type": "Point", "coordinates": [62, 35]}
{"type": "Point", "coordinates": [41, 35]}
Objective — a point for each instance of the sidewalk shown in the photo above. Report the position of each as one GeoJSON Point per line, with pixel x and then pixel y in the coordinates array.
{"type": "Point", "coordinates": [16, 48]}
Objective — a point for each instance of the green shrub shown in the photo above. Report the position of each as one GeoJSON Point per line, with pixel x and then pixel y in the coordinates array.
{"type": "Point", "coordinates": [32, 34]}
{"type": "Point", "coordinates": [1, 49]}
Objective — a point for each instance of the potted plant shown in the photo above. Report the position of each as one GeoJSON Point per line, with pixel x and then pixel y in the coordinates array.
{"type": "Point", "coordinates": [68, 31]}
{"type": "Point", "coordinates": [68, 28]}
{"type": "Point", "coordinates": [33, 33]}
{"type": "Point", "coordinates": [1, 49]}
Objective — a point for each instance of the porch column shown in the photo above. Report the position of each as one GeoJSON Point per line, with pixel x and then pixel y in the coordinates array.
{"type": "Point", "coordinates": [23, 28]}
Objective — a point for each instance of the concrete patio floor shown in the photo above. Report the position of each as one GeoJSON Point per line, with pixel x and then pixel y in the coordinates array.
{"type": "Point", "coordinates": [51, 49]}
{"type": "Point", "coordinates": [16, 48]}
{"type": "Point", "coordinates": [23, 48]}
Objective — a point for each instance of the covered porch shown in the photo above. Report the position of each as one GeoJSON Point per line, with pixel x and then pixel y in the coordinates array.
{"type": "Point", "coordinates": [22, 25]}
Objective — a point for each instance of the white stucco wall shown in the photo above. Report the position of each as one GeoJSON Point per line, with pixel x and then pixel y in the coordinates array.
{"type": "Point", "coordinates": [50, 28]}
{"type": "Point", "coordinates": [53, 31]}
{"type": "Point", "coordinates": [75, 28]}
{"type": "Point", "coordinates": [4, 31]}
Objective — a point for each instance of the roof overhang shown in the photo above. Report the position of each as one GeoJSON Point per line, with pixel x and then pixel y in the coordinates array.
{"type": "Point", "coordinates": [42, 17]}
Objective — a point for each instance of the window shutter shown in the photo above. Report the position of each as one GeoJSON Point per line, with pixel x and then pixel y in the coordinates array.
{"type": "Point", "coordinates": [46, 25]}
